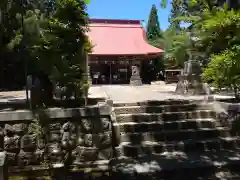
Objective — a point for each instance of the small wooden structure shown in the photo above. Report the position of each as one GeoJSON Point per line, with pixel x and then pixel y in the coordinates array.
{"type": "Point", "coordinates": [171, 75]}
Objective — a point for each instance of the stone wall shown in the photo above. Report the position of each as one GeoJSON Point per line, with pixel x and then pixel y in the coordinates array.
{"type": "Point", "coordinates": [73, 137]}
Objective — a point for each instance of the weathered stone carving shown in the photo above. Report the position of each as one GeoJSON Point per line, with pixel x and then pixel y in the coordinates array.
{"type": "Point", "coordinates": [41, 143]}
{"type": "Point", "coordinates": [39, 155]}
{"type": "Point", "coordinates": [68, 135]}
{"type": "Point", "coordinates": [68, 127]}
{"type": "Point", "coordinates": [20, 129]}
{"type": "Point", "coordinates": [85, 154]}
{"type": "Point", "coordinates": [11, 158]}
{"type": "Point", "coordinates": [32, 127]}
{"type": "Point", "coordinates": [105, 154]}
{"type": "Point", "coordinates": [26, 158]}
{"type": "Point", "coordinates": [135, 71]}
{"type": "Point", "coordinates": [88, 140]}
{"type": "Point", "coordinates": [12, 144]}
{"type": "Point", "coordinates": [86, 125]}
{"type": "Point", "coordinates": [135, 79]}
{"type": "Point", "coordinates": [100, 125]}
{"type": "Point", "coordinates": [54, 137]}
{"type": "Point", "coordinates": [105, 140]}
{"type": "Point", "coordinates": [30, 158]}
{"type": "Point", "coordinates": [55, 154]}
{"type": "Point", "coordinates": [80, 141]}
{"type": "Point", "coordinates": [105, 124]}
{"type": "Point", "coordinates": [8, 130]}
{"type": "Point", "coordinates": [29, 143]}
{"type": "Point", "coordinates": [55, 126]}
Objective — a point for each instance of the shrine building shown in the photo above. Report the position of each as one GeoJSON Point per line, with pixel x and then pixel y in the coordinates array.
{"type": "Point", "coordinates": [119, 49]}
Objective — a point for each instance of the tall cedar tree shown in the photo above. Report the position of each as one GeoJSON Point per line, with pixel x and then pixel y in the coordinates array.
{"type": "Point", "coordinates": [153, 27]}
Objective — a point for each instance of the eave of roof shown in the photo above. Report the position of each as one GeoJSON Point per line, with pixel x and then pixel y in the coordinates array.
{"type": "Point", "coordinates": [119, 37]}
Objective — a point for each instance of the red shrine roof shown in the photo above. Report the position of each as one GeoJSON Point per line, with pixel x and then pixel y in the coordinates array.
{"type": "Point", "coordinates": [119, 37]}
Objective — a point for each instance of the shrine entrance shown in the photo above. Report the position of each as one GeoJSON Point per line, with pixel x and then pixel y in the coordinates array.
{"type": "Point", "coordinates": [115, 69]}
{"type": "Point", "coordinates": [109, 73]}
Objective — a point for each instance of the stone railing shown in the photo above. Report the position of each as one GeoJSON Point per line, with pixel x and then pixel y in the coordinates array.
{"type": "Point", "coordinates": [71, 138]}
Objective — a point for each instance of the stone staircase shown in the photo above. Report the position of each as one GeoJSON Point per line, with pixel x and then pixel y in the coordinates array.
{"type": "Point", "coordinates": [172, 138]}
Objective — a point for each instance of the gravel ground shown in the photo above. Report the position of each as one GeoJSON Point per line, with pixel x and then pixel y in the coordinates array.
{"type": "Point", "coordinates": [120, 93]}
{"type": "Point", "coordinates": [123, 93]}
{"type": "Point", "coordinates": [12, 95]}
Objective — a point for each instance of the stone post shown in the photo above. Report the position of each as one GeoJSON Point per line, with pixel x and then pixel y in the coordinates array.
{"type": "Point", "coordinates": [135, 79]}
{"type": "Point", "coordinates": [87, 77]}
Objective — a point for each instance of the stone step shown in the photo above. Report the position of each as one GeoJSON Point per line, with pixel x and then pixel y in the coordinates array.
{"type": "Point", "coordinates": [142, 117]}
{"type": "Point", "coordinates": [175, 116]}
{"type": "Point", "coordinates": [158, 109]}
{"type": "Point", "coordinates": [137, 109]}
{"type": "Point", "coordinates": [158, 126]}
{"type": "Point", "coordinates": [153, 103]}
{"type": "Point", "coordinates": [166, 116]}
{"type": "Point", "coordinates": [192, 134]}
{"type": "Point", "coordinates": [217, 144]}
{"type": "Point", "coordinates": [180, 166]}
{"type": "Point", "coordinates": [200, 173]}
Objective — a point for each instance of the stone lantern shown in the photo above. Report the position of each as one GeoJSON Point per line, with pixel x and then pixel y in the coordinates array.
{"type": "Point", "coordinates": [190, 79]}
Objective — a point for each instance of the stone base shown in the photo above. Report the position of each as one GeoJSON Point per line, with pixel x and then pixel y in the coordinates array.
{"type": "Point", "coordinates": [90, 80]}
{"type": "Point", "coordinates": [135, 81]}
{"type": "Point", "coordinates": [184, 87]}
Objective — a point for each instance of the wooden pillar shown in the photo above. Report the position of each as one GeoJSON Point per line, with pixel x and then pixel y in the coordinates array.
{"type": "Point", "coordinates": [110, 73]}
{"type": "Point", "coordinates": [126, 68]}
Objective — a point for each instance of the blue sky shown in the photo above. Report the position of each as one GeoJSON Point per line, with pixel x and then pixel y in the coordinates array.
{"type": "Point", "coordinates": [128, 9]}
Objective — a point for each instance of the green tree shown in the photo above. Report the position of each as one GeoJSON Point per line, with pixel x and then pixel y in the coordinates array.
{"type": "Point", "coordinates": [215, 24]}
{"type": "Point", "coordinates": [223, 71]}
{"type": "Point", "coordinates": [55, 43]}
{"type": "Point", "coordinates": [65, 46]}
{"type": "Point", "coordinates": [153, 26]}
{"type": "Point", "coordinates": [155, 38]}
{"type": "Point", "coordinates": [177, 51]}
{"type": "Point", "coordinates": [220, 35]}
{"type": "Point", "coordinates": [11, 61]}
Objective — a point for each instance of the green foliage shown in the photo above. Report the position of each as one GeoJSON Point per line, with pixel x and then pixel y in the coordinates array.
{"type": "Point", "coordinates": [224, 70]}
{"type": "Point", "coordinates": [219, 33]}
{"type": "Point", "coordinates": [219, 30]}
{"type": "Point", "coordinates": [65, 45]}
{"type": "Point", "coordinates": [177, 50]}
{"type": "Point", "coordinates": [153, 27]}
{"type": "Point", "coordinates": [216, 27]}
{"type": "Point", "coordinates": [53, 42]}
{"type": "Point", "coordinates": [155, 38]}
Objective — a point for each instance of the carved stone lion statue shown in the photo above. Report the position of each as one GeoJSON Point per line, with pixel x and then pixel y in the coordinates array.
{"type": "Point", "coordinates": [135, 71]}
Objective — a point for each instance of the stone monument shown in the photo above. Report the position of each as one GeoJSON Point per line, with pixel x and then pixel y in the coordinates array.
{"type": "Point", "coordinates": [135, 79]}
{"type": "Point", "coordinates": [88, 75]}
{"type": "Point", "coordinates": [190, 79]}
